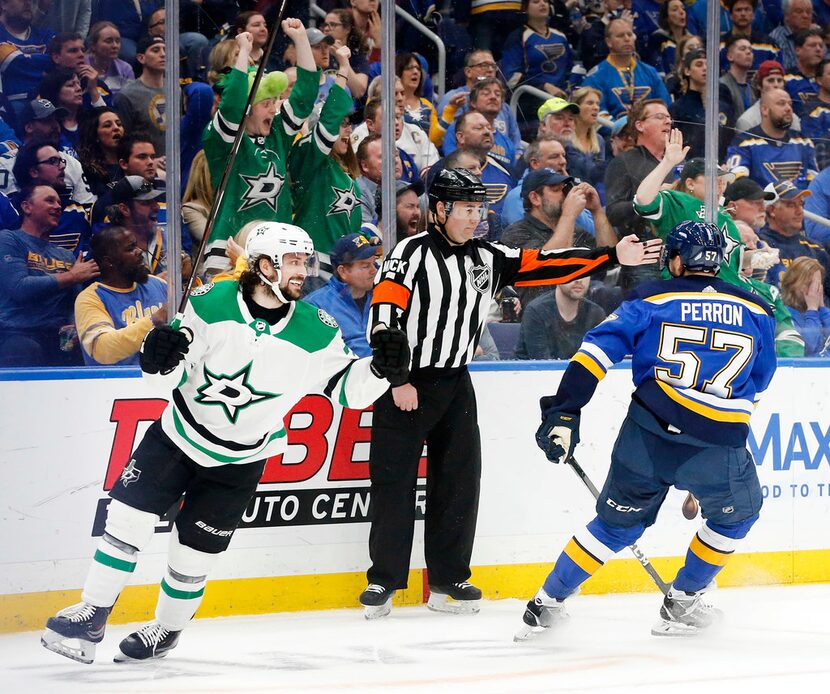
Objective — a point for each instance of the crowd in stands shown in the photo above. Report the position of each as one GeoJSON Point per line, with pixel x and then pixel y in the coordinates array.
{"type": "Point", "coordinates": [608, 141]}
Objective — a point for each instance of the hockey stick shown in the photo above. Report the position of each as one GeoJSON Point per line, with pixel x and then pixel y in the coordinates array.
{"type": "Point", "coordinates": [226, 174]}
{"type": "Point", "coordinates": [636, 551]}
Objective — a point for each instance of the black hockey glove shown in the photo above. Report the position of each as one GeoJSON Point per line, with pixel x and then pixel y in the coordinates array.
{"type": "Point", "coordinates": [558, 434]}
{"type": "Point", "coordinates": [390, 355]}
{"type": "Point", "coordinates": [163, 349]}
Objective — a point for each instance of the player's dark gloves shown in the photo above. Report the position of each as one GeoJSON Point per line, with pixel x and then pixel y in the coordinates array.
{"type": "Point", "coordinates": [390, 355]}
{"type": "Point", "coordinates": [558, 434]}
{"type": "Point", "coordinates": [163, 349]}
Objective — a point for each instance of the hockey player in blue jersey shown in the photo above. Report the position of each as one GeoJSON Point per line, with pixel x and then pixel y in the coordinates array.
{"type": "Point", "coordinates": [704, 353]}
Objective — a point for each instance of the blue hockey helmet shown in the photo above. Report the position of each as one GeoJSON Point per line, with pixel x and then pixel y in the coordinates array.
{"type": "Point", "coordinates": [700, 246]}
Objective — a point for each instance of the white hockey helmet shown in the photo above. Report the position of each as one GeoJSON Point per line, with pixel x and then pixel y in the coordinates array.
{"type": "Point", "coordinates": [274, 240]}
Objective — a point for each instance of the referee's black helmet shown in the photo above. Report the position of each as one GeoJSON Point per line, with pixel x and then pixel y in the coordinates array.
{"type": "Point", "coordinates": [456, 185]}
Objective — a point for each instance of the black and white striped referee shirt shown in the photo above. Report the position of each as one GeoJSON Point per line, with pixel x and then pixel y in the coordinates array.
{"type": "Point", "coordinates": [439, 294]}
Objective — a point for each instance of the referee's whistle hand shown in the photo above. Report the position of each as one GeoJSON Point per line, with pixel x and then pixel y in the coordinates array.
{"type": "Point", "coordinates": [632, 251]}
{"type": "Point", "coordinates": [405, 397]}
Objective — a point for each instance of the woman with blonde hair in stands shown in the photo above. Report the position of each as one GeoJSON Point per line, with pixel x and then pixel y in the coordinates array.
{"type": "Point", "coordinates": [198, 198]}
{"type": "Point", "coordinates": [586, 140]}
{"type": "Point", "coordinates": [221, 59]}
{"type": "Point", "coordinates": [103, 43]}
{"type": "Point", "coordinates": [802, 289]}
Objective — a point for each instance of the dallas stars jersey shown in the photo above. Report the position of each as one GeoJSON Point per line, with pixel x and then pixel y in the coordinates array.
{"type": "Point", "coordinates": [672, 207]}
{"type": "Point", "coordinates": [326, 199]}
{"type": "Point", "coordinates": [702, 351]}
{"type": "Point", "coordinates": [256, 187]}
{"type": "Point", "coordinates": [242, 375]}
{"type": "Point", "coordinates": [768, 160]}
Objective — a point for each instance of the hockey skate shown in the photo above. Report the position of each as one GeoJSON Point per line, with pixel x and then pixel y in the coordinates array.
{"type": "Point", "coordinates": [377, 600]}
{"type": "Point", "coordinates": [685, 614]}
{"type": "Point", "coordinates": [455, 598]}
{"type": "Point", "coordinates": [541, 613]}
{"type": "Point", "coordinates": [151, 641]}
{"type": "Point", "coordinates": [83, 623]}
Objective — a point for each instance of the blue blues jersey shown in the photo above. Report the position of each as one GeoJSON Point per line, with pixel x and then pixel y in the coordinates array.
{"type": "Point", "coordinates": [815, 124]}
{"type": "Point", "coordinates": [768, 160]}
{"type": "Point", "coordinates": [763, 48]}
{"type": "Point", "coordinates": [23, 62]}
{"type": "Point", "coordinates": [703, 354]}
{"type": "Point", "coordinates": [113, 322]}
{"type": "Point", "coordinates": [504, 123]}
{"type": "Point", "coordinates": [621, 87]}
{"type": "Point", "coordinates": [530, 58]}
{"type": "Point", "coordinates": [502, 150]}
{"type": "Point", "coordinates": [802, 91]}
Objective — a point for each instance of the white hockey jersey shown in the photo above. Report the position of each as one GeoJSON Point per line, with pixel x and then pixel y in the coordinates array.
{"type": "Point", "coordinates": [242, 375]}
{"type": "Point", "coordinates": [76, 183]}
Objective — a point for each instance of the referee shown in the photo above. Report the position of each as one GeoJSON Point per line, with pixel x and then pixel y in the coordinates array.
{"type": "Point", "coordinates": [437, 286]}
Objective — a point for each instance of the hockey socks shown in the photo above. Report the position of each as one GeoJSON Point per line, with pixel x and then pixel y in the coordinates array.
{"type": "Point", "coordinates": [183, 584]}
{"type": "Point", "coordinates": [112, 566]}
{"type": "Point", "coordinates": [585, 553]}
{"type": "Point", "coordinates": [708, 553]}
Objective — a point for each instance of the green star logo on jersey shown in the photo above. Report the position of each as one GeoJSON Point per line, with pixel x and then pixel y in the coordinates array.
{"type": "Point", "coordinates": [233, 393]}
{"type": "Point", "coordinates": [262, 188]}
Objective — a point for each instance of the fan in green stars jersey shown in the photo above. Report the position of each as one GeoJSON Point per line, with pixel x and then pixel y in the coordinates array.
{"type": "Point", "coordinates": [323, 169]}
{"type": "Point", "coordinates": [257, 187]}
{"type": "Point", "coordinates": [667, 208]}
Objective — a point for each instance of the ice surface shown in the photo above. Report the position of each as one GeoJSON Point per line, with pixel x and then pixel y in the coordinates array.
{"type": "Point", "coordinates": [772, 639]}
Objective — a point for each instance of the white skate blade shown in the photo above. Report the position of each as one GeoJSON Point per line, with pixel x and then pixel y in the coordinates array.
{"type": "Point", "coordinates": [377, 611]}
{"type": "Point", "coordinates": [675, 629]}
{"type": "Point", "coordinates": [84, 652]}
{"type": "Point", "coordinates": [440, 603]}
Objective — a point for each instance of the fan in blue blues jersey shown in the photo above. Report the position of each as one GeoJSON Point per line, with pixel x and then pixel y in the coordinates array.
{"type": "Point", "coordinates": [23, 58]}
{"type": "Point", "coordinates": [773, 152]}
{"type": "Point", "coordinates": [800, 82]}
{"type": "Point", "coordinates": [704, 354]}
{"type": "Point", "coordinates": [742, 13]}
{"type": "Point", "coordinates": [622, 78]}
{"type": "Point", "coordinates": [538, 55]}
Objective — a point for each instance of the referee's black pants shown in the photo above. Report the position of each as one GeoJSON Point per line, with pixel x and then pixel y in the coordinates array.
{"type": "Point", "coordinates": [447, 419]}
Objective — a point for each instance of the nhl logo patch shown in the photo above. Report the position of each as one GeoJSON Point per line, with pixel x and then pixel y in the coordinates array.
{"type": "Point", "coordinates": [326, 318]}
{"type": "Point", "coordinates": [480, 277]}
{"type": "Point", "coordinates": [200, 291]}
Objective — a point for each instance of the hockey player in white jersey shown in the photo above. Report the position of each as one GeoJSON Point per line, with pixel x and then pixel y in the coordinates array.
{"type": "Point", "coordinates": [242, 356]}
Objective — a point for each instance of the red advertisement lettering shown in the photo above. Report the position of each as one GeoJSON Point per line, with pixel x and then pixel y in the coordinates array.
{"type": "Point", "coordinates": [127, 414]}
{"type": "Point", "coordinates": [311, 436]}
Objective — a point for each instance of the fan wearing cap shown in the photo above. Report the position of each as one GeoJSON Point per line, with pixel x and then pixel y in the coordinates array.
{"type": "Point", "coordinates": [323, 170]}
{"type": "Point", "coordinates": [437, 286]}
{"type": "Point", "coordinates": [784, 230]}
{"type": "Point", "coordinates": [135, 206]}
{"type": "Point", "coordinates": [141, 103]}
{"type": "Point", "coordinates": [621, 78]}
{"type": "Point", "coordinates": [41, 121]}
{"type": "Point", "coordinates": [348, 294]}
{"type": "Point", "coordinates": [666, 208]}
{"type": "Point", "coordinates": [257, 187]}
{"type": "Point", "coordinates": [770, 75]}
{"type": "Point", "coordinates": [745, 200]}
{"type": "Point", "coordinates": [773, 151]}
{"type": "Point", "coordinates": [407, 207]}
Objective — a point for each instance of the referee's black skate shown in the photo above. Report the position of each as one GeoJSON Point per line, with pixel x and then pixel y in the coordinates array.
{"type": "Point", "coordinates": [83, 623]}
{"type": "Point", "coordinates": [377, 600]}
{"type": "Point", "coordinates": [464, 598]}
{"type": "Point", "coordinates": [540, 613]}
{"type": "Point", "coordinates": [685, 614]}
{"type": "Point", "coordinates": [151, 641]}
